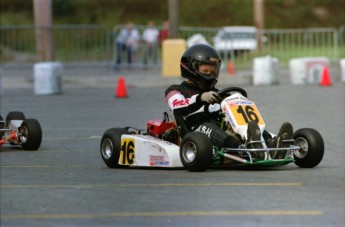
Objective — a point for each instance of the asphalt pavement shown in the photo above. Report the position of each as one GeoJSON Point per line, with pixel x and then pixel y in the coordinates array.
{"type": "Point", "coordinates": [66, 183]}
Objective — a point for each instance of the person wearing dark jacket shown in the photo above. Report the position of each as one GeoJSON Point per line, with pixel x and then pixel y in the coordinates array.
{"type": "Point", "coordinates": [197, 102]}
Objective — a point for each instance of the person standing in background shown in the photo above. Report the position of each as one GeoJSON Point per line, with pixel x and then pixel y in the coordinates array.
{"type": "Point", "coordinates": [127, 42]}
{"type": "Point", "coordinates": [150, 37]}
{"type": "Point", "coordinates": [132, 42]}
{"type": "Point", "coordinates": [164, 32]}
{"type": "Point", "coordinates": [120, 45]}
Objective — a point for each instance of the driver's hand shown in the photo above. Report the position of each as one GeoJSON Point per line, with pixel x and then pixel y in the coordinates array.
{"type": "Point", "coordinates": [210, 97]}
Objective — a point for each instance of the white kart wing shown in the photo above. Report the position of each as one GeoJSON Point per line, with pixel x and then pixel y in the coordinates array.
{"type": "Point", "coordinates": [148, 151]}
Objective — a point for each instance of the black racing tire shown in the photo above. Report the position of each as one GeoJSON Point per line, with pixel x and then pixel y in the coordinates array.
{"type": "Point", "coordinates": [2, 126]}
{"type": "Point", "coordinates": [111, 146]}
{"type": "Point", "coordinates": [312, 147]}
{"type": "Point", "coordinates": [196, 152]}
{"type": "Point", "coordinates": [15, 115]}
{"type": "Point", "coordinates": [30, 134]}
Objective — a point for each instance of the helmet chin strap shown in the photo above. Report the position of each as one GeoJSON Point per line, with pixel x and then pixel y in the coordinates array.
{"type": "Point", "coordinates": [201, 86]}
{"type": "Point", "coordinates": [208, 87]}
{"type": "Point", "coordinates": [214, 83]}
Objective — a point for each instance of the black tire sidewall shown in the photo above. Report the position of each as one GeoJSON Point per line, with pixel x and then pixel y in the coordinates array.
{"type": "Point", "coordinates": [204, 149]}
{"type": "Point", "coordinates": [34, 136]}
{"type": "Point", "coordinates": [114, 135]}
{"type": "Point", "coordinates": [315, 148]}
{"type": "Point", "coordinates": [2, 126]}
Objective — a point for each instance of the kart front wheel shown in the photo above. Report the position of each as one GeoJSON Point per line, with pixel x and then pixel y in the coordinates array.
{"type": "Point", "coordinates": [312, 147]}
{"type": "Point", "coordinates": [196, 152]}
{"type": "Point", "coordinates": [30, 134]}
{"type": "Point", "coordinates": [111, 146]}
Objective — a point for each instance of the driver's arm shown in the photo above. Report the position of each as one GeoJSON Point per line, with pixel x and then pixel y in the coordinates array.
{"type": "Point", "coordinates": [183, 106]}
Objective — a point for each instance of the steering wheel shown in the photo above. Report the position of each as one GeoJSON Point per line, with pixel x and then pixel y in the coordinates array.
{"type": "Point", "coordinates": [227, 91]}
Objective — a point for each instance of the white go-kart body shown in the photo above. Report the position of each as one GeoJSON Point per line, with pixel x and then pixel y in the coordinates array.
{"type": "Point", "coordinates": [149, 151]}
{"type": "Point", "coordinates": [123, 147]}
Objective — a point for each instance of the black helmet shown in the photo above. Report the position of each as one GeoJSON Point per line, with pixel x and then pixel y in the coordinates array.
{"type": "Point", "coordinates": [193, 57]}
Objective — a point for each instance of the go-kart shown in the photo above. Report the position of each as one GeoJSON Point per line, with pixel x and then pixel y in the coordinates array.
{"type": "Point", "coordinates": [17, 130]}
{"type": "Point", "coordinates": [169, 144]}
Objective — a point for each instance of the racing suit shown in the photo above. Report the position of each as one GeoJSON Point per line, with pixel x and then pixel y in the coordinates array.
{"type": "Point", "coordinates": [185, 100]}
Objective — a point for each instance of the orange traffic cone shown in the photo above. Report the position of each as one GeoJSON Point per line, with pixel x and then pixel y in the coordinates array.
{"type": "Point", "coordinates": [231, 70]}
{"type": "Point", "coordinates": [121, 91]}
{"type": "Point", "coordinates": [325, 78]}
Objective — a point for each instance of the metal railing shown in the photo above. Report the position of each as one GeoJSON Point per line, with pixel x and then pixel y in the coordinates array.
{"type": "Point", "coordinates": [284, 44]}
{"type": "Point", "coordinates": [341, 38]}
{"type": "Point", "coordinates": [73, 44]}
{"type": "Point", "coordinates": [95, 44]}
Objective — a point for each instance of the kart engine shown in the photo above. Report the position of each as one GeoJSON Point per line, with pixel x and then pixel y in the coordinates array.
{"type": "Point", "coordinates": [163, 130]}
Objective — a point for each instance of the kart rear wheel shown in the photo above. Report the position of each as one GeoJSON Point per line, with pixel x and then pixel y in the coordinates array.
{"type": "Point", "coordinates": [14, 115]}
{"type": "Point", "coordinates": [196, 152]}
{"type": "Point", "coordinates": [2, 126]}
{"type": "Point", "coordinates": [30, 134]}
{"type": "Point", "coordinates": [111, 146]}
{"type": "Point", "coordinates": [312, 147]}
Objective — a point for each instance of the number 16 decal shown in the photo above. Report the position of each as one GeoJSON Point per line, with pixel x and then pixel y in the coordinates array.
{"type": "Point", "coordinates": [127, 152]}
{"type": "Point", "coordinates": [246, 113]}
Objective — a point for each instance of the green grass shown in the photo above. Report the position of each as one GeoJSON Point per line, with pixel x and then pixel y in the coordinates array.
{"type": "Point", "coordinates": [284, 55]}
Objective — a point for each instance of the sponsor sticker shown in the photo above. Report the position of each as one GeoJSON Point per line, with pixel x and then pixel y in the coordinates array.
{"type": "Point", "coordinates": [181, 102]}
{"type": "Point", "coordinates": [157, 160]}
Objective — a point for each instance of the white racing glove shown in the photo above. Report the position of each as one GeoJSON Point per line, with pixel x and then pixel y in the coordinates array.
{"type": "Point", "coordinates": [210, 97]}
{"type": "Point", "coordinates": [213, 107]}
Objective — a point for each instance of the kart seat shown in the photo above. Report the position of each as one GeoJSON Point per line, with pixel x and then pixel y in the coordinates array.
{"type": "Point", "coordinates": [181, 126]}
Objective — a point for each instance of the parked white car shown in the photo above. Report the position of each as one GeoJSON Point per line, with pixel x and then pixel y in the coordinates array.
{"type": "Point", "coordinates": [196, 39]}
{"type": "Point", "coordinates": [236, 38]}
